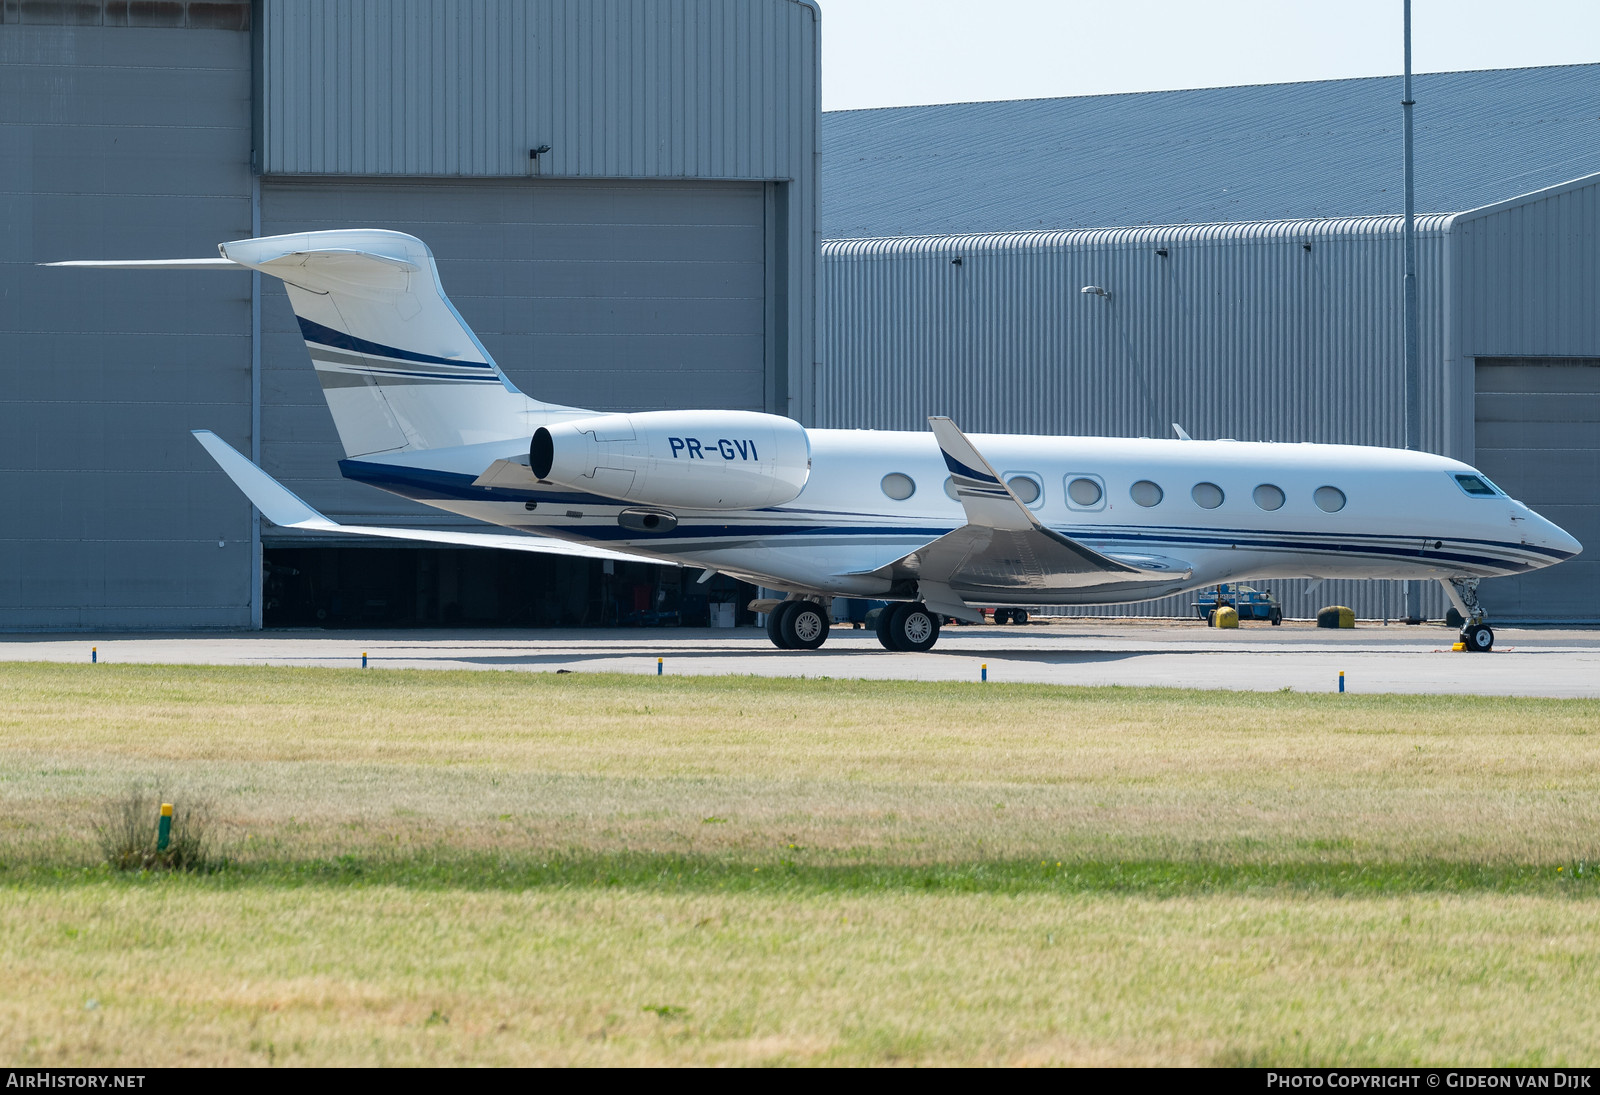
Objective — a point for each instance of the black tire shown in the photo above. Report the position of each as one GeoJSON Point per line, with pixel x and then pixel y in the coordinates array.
{"type": "Point", "coordinates": [913, 629]}
{"type": "Point", "coordinates": [775, 620]}
{"type": "Point", "coordinates": [881, 628]}
{"type": "Point", "coordinates": [805, 627]}
{"type": "Point", "coordinates": [1019, 615]}
{"type": "Point", "coordinates": [1479, 638]}
{"type": "Point", "coordinates": [1275, 617]}
{"type": "Point", "coordinates": [1001, 615]}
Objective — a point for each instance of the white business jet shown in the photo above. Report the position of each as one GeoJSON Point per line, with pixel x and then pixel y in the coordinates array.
{"type": "Point", "coordinates": [935, 522]}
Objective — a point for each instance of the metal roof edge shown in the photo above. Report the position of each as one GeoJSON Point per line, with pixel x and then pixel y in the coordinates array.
{"type": "Point", "coordinates": [1308, 230]}
{"type": "Point", "coordinates": [1578, 183]}
{"type": "Point", "coordinates": [1190, 90]}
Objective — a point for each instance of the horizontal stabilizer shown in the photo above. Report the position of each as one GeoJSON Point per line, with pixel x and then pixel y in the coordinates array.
{"type": "Point", "coordinates": [151, 264]}
{"type": "Point", "coordinates": [281, 506]}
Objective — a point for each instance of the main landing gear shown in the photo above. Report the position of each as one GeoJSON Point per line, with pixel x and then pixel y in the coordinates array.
{"type": "Point", "coordinates": [908, 628]}
{"type": "Point", "coordinates": [1475, 631]}
{"type": "Point", "coordinates": [798, 625]}
{"type": "Point", "coordinates": [803, 625]}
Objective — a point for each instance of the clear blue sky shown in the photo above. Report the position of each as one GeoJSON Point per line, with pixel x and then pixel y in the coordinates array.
{"type": "Point", "coordinates": [906, 52]}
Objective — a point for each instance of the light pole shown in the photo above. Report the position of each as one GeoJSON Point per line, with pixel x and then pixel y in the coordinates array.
{"type": "Point", "coordinates": [1413, 386]}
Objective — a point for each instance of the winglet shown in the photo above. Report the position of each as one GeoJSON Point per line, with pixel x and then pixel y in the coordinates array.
{"type": "Point", "coordinates": [987, 500]}
{"type": "Point", "coordinates": [1183, 434]}
{"type": "Point", "coordinates": [276, 502]}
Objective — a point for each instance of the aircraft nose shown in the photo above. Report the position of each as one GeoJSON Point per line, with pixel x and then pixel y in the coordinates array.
{"type": "Point", "coordinates": [1551, 536]}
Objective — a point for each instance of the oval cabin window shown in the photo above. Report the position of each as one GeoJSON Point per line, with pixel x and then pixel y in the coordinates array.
{"type": "Point", "coordinates": [1207, 495]}
{"type": "Point", "coordinates": [899, 487]}
{"type": "Point", "coordinates": [950, 489]}
{"type": "Point", "coordinates": [1084, 492]}
{"type": "Point", "coordinates": [1146, 493]}
{"type": "Point", "coordinates": [1268, 497]}
{"type": "Point", "coordinates": [1329, 499]}
{"type": "Point", "coordinates": [1026, 489]}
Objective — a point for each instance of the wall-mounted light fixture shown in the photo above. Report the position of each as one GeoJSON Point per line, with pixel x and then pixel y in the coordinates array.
{"type": "Point", "coordinates": [1162, 251]}
{"type": "Point", "coordinates": [535, 153]}
{"type": "Point", "coordinates": [1095, 290]}
{"type": "Point", "coordinates": [956, 261]}
{"type": "Point", "coordinates": [1306, 245]}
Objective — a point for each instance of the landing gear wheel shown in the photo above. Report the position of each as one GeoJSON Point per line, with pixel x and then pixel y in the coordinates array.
{"type": "Point", "coordinates": [912, 628]}
{"type": "Point", "coordinates": [775, 622]}
{"type": "Point", "coordinates": [881, 627]}
{"type": "Point", "coordinates": [805, 626]}
{"type": "Point", "coordinates": [1002, 615]}
{"type": "Point", "coordinates": [1479, 638]}
{"type": "Point", "coordinates": [1275, 618]}
{"type": "Point", "coordinates": [1019, 615]}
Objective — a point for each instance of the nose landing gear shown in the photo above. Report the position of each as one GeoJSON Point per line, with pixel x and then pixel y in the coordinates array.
{"type": "Point", "coordinates": [1476, 633]}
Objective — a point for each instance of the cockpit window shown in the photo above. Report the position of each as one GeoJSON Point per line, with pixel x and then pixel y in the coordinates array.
{"type": "Point", "coordinates": [1475, 485]}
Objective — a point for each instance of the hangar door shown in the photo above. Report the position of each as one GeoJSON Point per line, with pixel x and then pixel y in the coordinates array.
{"type": "Point", "coordinates": [1538, 437]}
{"type": "Point", "coordinates": [615, 295]}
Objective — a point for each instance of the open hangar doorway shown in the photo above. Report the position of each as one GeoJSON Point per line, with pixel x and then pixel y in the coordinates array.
{"type": "Point", "coordinates": [318, 585]}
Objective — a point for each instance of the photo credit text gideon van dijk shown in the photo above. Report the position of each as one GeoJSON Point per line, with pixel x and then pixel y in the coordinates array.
{"type": "Point", "coordinates": [1430, 1079]}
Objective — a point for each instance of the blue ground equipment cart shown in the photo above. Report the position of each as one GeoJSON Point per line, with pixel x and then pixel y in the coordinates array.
{"type": "Point", "coordinates": [1251, 603]}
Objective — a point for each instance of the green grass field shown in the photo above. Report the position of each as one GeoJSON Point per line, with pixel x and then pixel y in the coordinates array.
{"type": "Point", "coordinates": [444, 867]}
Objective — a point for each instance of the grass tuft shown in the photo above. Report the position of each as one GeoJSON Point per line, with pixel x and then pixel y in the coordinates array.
{"type": "Point", "coordinates": [128, 834]}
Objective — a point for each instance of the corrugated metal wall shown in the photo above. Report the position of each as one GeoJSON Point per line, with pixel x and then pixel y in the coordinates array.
{"type": "Point", "coordinates": [1529, 274]}
{"type": "Point", "coordinates": [121, 143]}
{"type": "Point", "coordinates": [1287, 331]}
{"type": "Point", "coordinates": [713, 89]}
{"type": "Point", "coordinates": [637, 89]}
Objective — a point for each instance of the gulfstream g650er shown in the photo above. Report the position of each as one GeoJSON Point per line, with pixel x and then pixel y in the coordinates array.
{"type": "Point", "coordinates": [936, 522]}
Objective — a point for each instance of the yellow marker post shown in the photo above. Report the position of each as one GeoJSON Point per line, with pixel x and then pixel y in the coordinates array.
{"type": "Point", "coordinates": [164, 830]}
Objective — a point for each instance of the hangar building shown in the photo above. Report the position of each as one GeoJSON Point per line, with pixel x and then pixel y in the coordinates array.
{"type": "Point", "coordinates": [660, 250]}
{"type": "Point", "coordinates": [1247, 243]}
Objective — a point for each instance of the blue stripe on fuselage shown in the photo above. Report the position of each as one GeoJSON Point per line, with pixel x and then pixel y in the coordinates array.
{"type": "Point", "coordinates": [427, 484]}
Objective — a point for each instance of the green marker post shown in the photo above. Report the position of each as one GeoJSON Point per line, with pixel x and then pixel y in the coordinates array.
{"type": "Point", "coordinates": [164, 830]}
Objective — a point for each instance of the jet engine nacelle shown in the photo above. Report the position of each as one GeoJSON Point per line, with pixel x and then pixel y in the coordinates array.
{"type": "Point", "coordinates": [683, 459]}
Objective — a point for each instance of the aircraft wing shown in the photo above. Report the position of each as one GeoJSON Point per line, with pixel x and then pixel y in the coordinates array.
{"type": "Point", "coordinates": [282, 507]}
{"type": "Point", "coordinates": [1003, 551]}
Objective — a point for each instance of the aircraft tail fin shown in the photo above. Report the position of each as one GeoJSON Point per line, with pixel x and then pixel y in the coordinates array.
{"type": "Point", "coordinates": [399, 367]}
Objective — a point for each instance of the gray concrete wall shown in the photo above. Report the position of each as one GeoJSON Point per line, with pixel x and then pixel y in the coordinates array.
{"type": "Point", "coordinates": [121, 142]}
